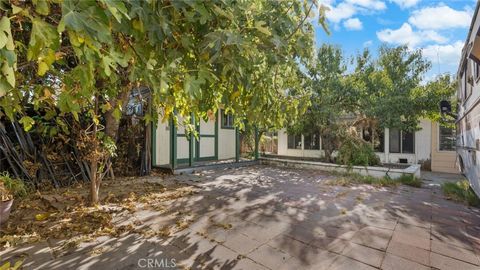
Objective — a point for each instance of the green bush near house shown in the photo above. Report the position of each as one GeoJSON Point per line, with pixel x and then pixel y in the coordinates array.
{"type": "Point", "coordinates": [462, 192]}
{"type": "Point", "coordinates": [356, 152]}
{"type": "Point", "coordinates": [410, 180]}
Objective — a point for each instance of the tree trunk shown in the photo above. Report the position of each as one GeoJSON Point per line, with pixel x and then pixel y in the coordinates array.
{"type": "Point", "coordinates": [112, 124]}
{"type": "Point", "coordinates": [328, 149]}
{"type": "Point", "coordinates": [94, 183]}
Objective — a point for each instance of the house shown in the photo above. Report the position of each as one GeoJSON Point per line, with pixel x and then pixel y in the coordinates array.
{"type": "Point", "coordinates": [217, 140]}
{"type": "Point", "coordinates": [431, 145]}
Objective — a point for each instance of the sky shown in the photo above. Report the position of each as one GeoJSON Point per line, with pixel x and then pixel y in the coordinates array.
{"type": "Point", "coordinates": [439, 28]}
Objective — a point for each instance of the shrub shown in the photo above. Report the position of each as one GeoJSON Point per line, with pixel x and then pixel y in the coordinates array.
{"type": "Point", "coordinates": [355, 151]}
{"type": "Point", "coordinates": [462, 192]}
{"type": "Point", "coordinates": [11, 188]}
{"type": "Point", "coordinates": [410, 180]}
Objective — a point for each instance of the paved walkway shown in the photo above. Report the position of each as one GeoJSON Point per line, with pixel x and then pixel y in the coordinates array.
{"type": "Point", "coordinates": [274, 218]}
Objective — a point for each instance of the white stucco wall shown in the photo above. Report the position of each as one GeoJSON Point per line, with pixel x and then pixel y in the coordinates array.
{"type": "Point", "coordinates": [162, 144]}
{"type": "Point", "coordinates": [422, 146]}
{"type": "Point", "coordinates": [284, 151]}
{"type": "Point", "coordinates": [226, 141]}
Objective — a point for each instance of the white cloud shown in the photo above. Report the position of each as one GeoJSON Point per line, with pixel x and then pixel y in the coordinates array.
{"type": "Point", "coordinates": [444, 54]}
{"type": "Point", "coordinates": [340, 12]}
{"type": "Point", "coordinates": [349, 8]}
{"type": "Point", "coordinates": [440, 17]}
{"type": "Point", "coordinates": [367, 43]}
{"type": "Point", "coordinates": [406, 3]}
{"type": "Point", "coordinates": [406, 35]}
{"type": "Point", "coordinates": [369, 4]}
{"type": "Point", "coordinates": [353, 24]}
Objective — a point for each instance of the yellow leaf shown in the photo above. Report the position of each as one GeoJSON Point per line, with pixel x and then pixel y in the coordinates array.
{"type": "Point", "coordinates": [42, 68]}
{"type": "Point", "coordinates": [5, 266]}
{"type": "Point", "coordinates": [40, 217]}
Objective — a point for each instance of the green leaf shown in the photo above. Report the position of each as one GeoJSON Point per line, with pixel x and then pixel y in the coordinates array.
{"type": "Point", "coordinates": [117, 8]}
{"type": "Point", "coordinates": [43, 37]}
{"type": "Point", "coordinates": [9, 74]}
{"type": "Point", "coordinates": [16, 10]}
{"type": "Point", "coordinates": [42, 68]}
{"type": "Point", "coordinates": [86, 16]}
{"type": "Point", "coordinates": [260, 26]}
{"type": "Point", "coordinates": [27, 122]}
{"type": "Point", "coordinates": [6, 38]}
{"type": "Point", "coordinates": [42, 7]}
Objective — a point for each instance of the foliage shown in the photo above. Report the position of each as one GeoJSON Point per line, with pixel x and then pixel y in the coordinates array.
{"type": "Point", "coordinates": [355, 151]}
{"type": "Point", "coordinates": [387, 86]}
{"type": "Point", "coordinates": [15, 266]}
{"type": "Point", "coordinates": [82, 58]}
{"type": "Point", "coordinates": [349, 178]}
{"type": "Point", "coordinates": [429, 96]}
{"type": "Point", "coordinates": [330, 97]}
{"type": "Point", "coordinates": [462, 192]}
{"type": "Point", "coordinates": [11, 188]}
{"type": "Point", "coordinates": [410, 180]}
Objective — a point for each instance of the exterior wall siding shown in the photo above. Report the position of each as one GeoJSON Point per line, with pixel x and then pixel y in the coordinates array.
{"type": "Point", "coordinates": [162, 144]}
{"type": "Point", "coordinates": [226, 141]}
{"type": "Point", "coordinates": [422, 147]}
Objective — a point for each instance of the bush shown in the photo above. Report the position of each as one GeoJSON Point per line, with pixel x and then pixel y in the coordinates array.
{"type": "Point", "coordinates": [462, 192]}
{"type": "Point", "coordinates": [11, 188]}
{"type": "Point", "coordinates": [410, 180]}
{"type": "Point", "coordinates": [355, 151]}
{"type": "Point", "coordinates": [348, 178]}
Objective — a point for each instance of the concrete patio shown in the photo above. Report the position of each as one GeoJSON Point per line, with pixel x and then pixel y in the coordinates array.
{"type": "Point", "coordinates": [263, 217]}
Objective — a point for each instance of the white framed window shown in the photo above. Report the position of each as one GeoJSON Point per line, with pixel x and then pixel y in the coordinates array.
{"type": "Point", "coordinates": [294, 141]}
{"type": "Point", "coordinates": [402, 141]}
{"type": "Point", "coordinates": [446, 138]}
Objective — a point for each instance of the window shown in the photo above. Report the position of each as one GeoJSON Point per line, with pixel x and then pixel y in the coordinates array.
{"type": "Point", "coordinates": [294, 141]}
{"type": "Point", "coordinates": [311, 141]}
{"type": "Point", "coordinates": [468, 80]}
{"type": "Point", "coordinates": [227, 120]}
{"type": "Point", "coordinates": [378, 138]}
{"type": "Point", "coordinates": [402, 141]}
{"type": "Point", "coordinates": [446, 138]}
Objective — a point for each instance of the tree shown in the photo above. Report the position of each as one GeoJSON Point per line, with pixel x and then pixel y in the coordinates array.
{"type": "Point", "coordinates": [331, 97]}
{"type": "Point", "coordinates": [82, 58]}
{"type": "Point", "coordinates": [387, 87]}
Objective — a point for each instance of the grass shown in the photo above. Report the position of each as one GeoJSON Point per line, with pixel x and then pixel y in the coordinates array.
{"type": "Point", "coordinates": [461, 192]}
{"type": "Point", "coordinates": [410, 180]}
{"type": "Point", "coordinates": [346, 179]}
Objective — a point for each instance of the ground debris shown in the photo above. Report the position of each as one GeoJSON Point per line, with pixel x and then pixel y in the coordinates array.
{"type": "Point", "coordinates": [64, 213]}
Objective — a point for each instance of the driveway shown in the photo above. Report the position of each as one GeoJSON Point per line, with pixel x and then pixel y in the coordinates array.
{"type": "Point", "coordinates": [263, 217]}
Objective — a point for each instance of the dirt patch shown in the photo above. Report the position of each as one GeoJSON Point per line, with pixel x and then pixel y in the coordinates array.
{"type": "Point", "coordinates": [65, 214]}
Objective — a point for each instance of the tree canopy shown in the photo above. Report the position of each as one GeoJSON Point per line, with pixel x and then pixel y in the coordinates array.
{"type": "Point", "coordinates": [383, 92]}
{"type": "Point", "coordinates": [81, 59]}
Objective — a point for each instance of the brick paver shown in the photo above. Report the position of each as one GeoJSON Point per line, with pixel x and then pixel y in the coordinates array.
{"type": "Point", "coordinates": [263, 217]}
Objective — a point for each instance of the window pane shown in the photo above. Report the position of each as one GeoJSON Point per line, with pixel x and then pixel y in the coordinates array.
{"type": "Point", "coordinates": [394, 140]}
{"type": "Point", "coordinates": [312, 141]}
{"type": "Point", "coordinates": [294, 141]}
{"type": "Point", "coordinates": [408, 142]}
{"type": "Point", "coordinates": [446, 139]}
{"type": "Point", "coordinates": [298, 141]}
{"type": "Point", "coordinates": [227, 119]}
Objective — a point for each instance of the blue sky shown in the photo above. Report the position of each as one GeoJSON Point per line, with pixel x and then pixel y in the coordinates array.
{"type": "Point", "coordinates": [439, 28]}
